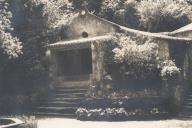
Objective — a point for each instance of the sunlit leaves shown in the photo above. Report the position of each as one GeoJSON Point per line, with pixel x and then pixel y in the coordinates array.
{"type": "Point", "coordinates": [132, 53]}
{"type": "Point", "coordinates": [9, 44]}
{"type": "Point", "coordinates": [155, 14]}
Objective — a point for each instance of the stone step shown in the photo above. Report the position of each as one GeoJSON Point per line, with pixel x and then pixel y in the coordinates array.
{"type": "Point", "coordinates": [49, 114]}
{"type": "Point", "coordinates": [64, 88]}
{"type": "Point", "coordinates": [71, 87]}
{"type": "Point", "coordinates": [64, 99]}
{"type": "Point", "coordinates": [187, 107]}
{"type": "Point", "coordinates": [186, 111]}
{"type": "Point", "coordinates": [62, 110]}
{"type": "Point", "coordinates": [69, 95]}
{"type": "Point", "coordinates": [70, 78]}
{"type": "Point", "coordinates": [189, 97]}
{"type": "Point", "coordinates": [61, 104]}
{"type": "Point", "coordinates": [77, 83]}
{"type": "Point", "coordinates": [188, 100]}
{"type": "Point", "coordinates": [70, 91]}
{"type": "Point", "coordinates": [185, 114]}
{"type": "Point", "coordinates": [67, 99]}
{"type": "Point", "coordinates": [188, 103]}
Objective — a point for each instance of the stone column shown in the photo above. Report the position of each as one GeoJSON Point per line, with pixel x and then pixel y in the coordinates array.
{"type": "Point", "coordinates": [97, 63]}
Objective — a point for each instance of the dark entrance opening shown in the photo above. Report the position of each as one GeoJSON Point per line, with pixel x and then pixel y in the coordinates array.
{"type": "Point", "coordinates": [74, 62]}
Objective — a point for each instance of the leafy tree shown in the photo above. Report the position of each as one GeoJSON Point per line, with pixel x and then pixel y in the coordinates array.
{"type": "Point", "coordinates": [10, 46]}
{"type": "Point", "coordinates": [120, 11]}
{"type": "Point", "coordinates": [163, 15]}
{"type": "Point", "coordinates": [91, 5]}
{"type": "Point", "coordinates": [58, 12]}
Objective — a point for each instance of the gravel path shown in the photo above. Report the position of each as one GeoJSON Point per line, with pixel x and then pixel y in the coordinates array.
{"type": "Point", "coordinates": [72, 123]}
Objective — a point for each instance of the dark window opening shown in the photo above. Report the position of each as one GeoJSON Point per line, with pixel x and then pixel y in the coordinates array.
{"type": "Point", "coordinates": [85, 34]}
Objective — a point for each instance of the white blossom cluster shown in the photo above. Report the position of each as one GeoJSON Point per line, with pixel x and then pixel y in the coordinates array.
{"type": "Point", "coordinates": [108, 112]}
{"type": "Point", "coordinates": [9, 44]}
{"type": "Point", "coordinates": [132, 53]}
{"type": "Point", "coordinates": [169, 69]}
{"type": "Point", "coordinates": [5, 15]}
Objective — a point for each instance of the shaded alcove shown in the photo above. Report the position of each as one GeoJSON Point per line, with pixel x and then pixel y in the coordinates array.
{"type": "Point", "coordinates": [74, 62]}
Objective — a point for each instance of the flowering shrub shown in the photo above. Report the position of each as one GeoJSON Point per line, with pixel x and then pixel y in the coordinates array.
{"type": "Point", "coordinates": [154, 111]}
{"type": "Point", "coordinates": [131, 52]}
{"type": "Point", "coordinates": [169, 70]}
{"type": "Point", "coordinates": [135, 59]}
{"type": "Point", "coordinates": [81, 113]}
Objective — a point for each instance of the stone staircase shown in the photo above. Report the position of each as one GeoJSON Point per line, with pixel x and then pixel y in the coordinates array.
{"type": "Point", "coordinates": [186, 110]}
{"type": "Point", "coordinates": [64, 100]}
{"type": "Point", "coordinates": [70, 95]}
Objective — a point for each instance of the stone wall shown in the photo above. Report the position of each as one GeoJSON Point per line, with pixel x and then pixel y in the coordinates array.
{"type": "Point", "coordinates": [187, 62]}
{"type": "Point", "coordinates": [181, 52]}
{"type": "Point", "coordinates": [97, 61]}
{"type": "Point", "coordinates": [89, 24]}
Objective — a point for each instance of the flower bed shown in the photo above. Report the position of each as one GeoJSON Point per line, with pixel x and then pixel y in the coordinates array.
{"type": "Point", "coordinates": [118, 114]}
{"type": "Point", "coordinates": [101, 114]}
